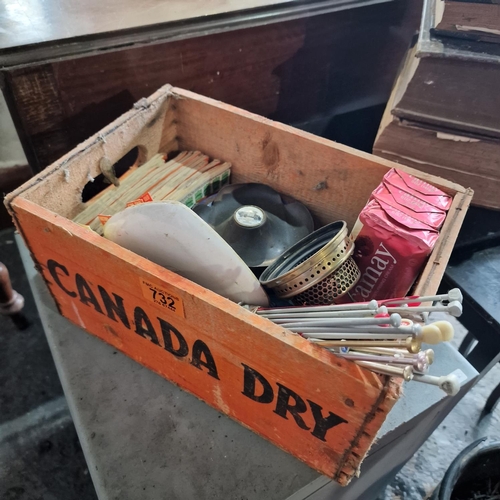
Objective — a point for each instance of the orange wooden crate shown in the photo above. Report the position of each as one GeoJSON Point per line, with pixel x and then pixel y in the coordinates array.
{"type": "Point", "coordinates": [322, 409]}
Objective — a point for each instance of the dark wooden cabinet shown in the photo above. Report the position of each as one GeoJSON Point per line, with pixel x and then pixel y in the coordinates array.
{"type": "Point", "coordinates": [298, 70]}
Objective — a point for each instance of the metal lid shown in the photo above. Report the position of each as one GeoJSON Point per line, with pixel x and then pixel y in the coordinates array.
{"type": "Point", "coordinates": [249, 216]}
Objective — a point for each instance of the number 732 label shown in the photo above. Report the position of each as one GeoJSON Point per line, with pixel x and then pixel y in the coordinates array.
{"type": "Point", "coordinates": [159, 296]}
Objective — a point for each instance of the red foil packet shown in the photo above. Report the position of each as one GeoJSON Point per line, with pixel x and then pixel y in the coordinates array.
{"type": "Point", "coordinates": [419, 188]}
{"type": "Point", "coordinates": [410, 205]}
{"type": "Point", "coordinates": [391, 249]}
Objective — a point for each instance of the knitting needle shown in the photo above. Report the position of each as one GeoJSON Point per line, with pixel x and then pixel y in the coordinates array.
{"type": "Point", "coordinates": [430, 334]}
{"type": "Point", "coordinates": [302, 316]}
{"type": "Point", "coordinates": [394, 320]}
{"type": "Point", "coordinates": [372, 305]}
{"type": "Point", "coordinates": [418, 363]}
{"type": "Point", "coordinates": [448, 383]}
{"type": "Point", "coordinates": [354, 336]}
{"type": "Point", "coordinates": [409, 343]}
{"type": "Point", "coordinates": [405, 372]}
{"type": "Point", "coordinates": [452, 295]}
{"type": "Point", "coordinates": [454, 308]}
{"type": "Point", "coordinates": [414, 329]}
{"type": "Point", "coordinates": [387, 351]}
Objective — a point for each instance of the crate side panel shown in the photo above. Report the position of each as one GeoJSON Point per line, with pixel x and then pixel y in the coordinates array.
{"type": "Point", "coordinates": [150, 126]}
{"type": "Point", "coordinates": [334, 181]}
{"type": "Point", "coordinates": [432, 274]}
{"type": "Point", "coordinates": [271, 381]}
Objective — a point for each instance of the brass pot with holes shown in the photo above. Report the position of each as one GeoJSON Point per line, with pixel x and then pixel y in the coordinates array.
{"type": "Point", "coordinates": [319, 269]}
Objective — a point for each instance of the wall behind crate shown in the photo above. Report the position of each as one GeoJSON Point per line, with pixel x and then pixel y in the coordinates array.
{"type": "Point", "coordinates": [296, 71]}
{"type": "Point", "coordinates": [13, 164]}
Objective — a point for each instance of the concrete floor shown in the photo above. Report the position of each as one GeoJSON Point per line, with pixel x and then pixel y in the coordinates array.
{"type": "Point", "coordinates": [423, 472]}
{"type": "Point", "coordinates": [40, 456]}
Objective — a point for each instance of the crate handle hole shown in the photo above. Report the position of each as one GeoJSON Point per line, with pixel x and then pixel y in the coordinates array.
{"type": "Point", "coordinates": [122, 166]}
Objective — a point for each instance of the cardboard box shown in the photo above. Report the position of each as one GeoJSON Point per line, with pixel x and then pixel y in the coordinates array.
{"type": "Point", "coordinates": [324, 410]}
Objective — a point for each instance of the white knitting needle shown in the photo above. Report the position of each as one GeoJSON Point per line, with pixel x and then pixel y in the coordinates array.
{"type": "Point", "coordinates": [345, 329]}
{"type": "Point", "coordinates": [452, 295]}
{"type": "Point", "coordinates": [430, 334]}
{"type": "Point", "coordinates": [267, 311]}
{"type": "Point", "coordinates": [454, 308]}
{"type": "Point", "coordinates": [302, 316]}
{"type": "Point", "coordinates": [409, 343]}
{"type": "Point", "coordinates": [448, 383]}
{"type": "Point", "coordinates": [352, 336]}
{"type": "Point", "coordinates": [414, 329]}
{"type": "Point", "coordinates": [394, 320]}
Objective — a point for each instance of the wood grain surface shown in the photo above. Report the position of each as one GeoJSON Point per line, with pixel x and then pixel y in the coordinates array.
{"type": "Point", "coordinates": [448, 156]}
{"type": "Point", "coordinates": [332, 180]}
{"type": "Point", "coordinates": [475, 21]}
{"type": "Point", "coordinates": [453, 96]}
{"type": "Point", "coordinates": [26, 22]}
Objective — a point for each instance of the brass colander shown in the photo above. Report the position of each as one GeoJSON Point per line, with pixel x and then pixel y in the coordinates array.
{"type": "Point", "coordinates": [318, 269]}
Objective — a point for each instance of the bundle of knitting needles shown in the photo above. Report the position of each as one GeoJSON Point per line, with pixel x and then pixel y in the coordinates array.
{"type": "Point", "coordinates": [385, 336]}
{"type": "Point", "coordinates": [188, 178]}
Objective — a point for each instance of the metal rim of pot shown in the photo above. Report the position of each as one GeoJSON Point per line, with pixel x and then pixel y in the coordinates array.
{"type": "Point", "coordinates": [309, 261]}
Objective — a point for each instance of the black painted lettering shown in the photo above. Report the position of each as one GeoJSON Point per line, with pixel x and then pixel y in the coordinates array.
{"type": "Point", "coordinates": [182, 349]}
{"type": "Point", "coordinates": [249, 386]}
{"type": "Point", "coordinates": [284, 406]}
{"type": "Point", "coordinates": [86, 294]}
{"type": "Point", "coordinates": [323, 424]}
{"type": "Point", "coordinates": [201, 349]}
{"type": "Point", "coordinates": [143, 326]}
{"type": "Point", "coordinates": [53, 266]}
{"type": "Point", "coordinates": [114, 306]}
